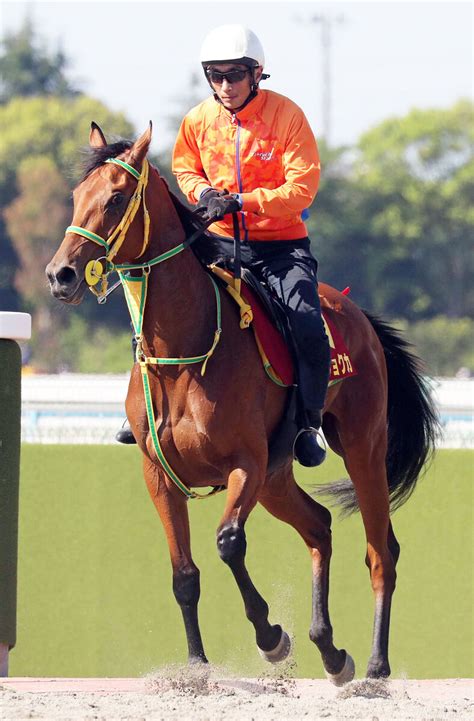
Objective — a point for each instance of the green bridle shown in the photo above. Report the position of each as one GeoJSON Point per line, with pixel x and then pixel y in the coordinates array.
{"type": "Point", "coordinates": [135, 289]}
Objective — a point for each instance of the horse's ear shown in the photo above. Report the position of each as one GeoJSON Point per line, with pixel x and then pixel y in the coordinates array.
{"type": "Point", "coordinates": [140, 146]}
{"type": "Point", "coordinates": [96, 137]}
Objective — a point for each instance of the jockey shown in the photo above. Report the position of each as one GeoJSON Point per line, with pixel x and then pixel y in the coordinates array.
{"type": "Point", "coordinates": [250, 151]}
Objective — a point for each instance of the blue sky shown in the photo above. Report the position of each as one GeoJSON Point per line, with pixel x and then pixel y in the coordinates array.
{"type": "Point", "coordinates": [386, 57]}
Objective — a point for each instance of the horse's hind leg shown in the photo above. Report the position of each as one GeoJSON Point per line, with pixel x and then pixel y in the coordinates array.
{"type": "Point", "coordinates": [365, 462]}
{"type": "Point", "coordinates": [285, 500]}
{"type": "Point", "coordinates": [171, 505]}
{"type": "Point", "coordinates": [231, 544]}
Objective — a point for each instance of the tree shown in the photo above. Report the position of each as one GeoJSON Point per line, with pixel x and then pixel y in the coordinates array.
{"type": "Point", "coordinates": [418, 175]}
{"type": "Point", "coordinates": [35, 219]}
{"type": "Point", "coordinates": [27, 68]}
{"type": "Point", "coordinates": [393, 216]}
{"type": "Point", "coordinates": [57, 127]}
{"type": "Point", "coordinates": [337, 227]}
{"type": "Point", "coordinates": [40, 140]}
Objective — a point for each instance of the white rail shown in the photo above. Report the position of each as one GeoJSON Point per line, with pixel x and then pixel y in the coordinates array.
{"type": "Point", "coordinates": [75, 408]}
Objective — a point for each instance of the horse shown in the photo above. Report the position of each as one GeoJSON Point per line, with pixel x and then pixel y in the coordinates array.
{"type": "Point", "coordinates": [214, 428]}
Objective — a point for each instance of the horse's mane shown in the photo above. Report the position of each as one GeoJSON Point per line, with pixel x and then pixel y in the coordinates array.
{"type": "Point", "coordinates": [206, 248]}
{"type": "Point", "coordinates": [95, 157]}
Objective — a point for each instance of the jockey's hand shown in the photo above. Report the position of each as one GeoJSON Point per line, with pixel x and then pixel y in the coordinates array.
{"type": "Point", "coordinates": [204, 199]}
{"type": "Point", "coordinates": [222, 204]}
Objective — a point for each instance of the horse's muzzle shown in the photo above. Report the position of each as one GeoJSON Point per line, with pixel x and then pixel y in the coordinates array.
{"type": "Point", "coordinates": [64, 283]}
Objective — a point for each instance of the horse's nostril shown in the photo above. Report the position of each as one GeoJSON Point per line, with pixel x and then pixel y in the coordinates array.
{"type": "Point", "coordinates": [66, 276]}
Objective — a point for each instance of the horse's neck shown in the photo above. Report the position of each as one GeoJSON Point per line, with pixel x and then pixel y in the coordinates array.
{"type": "Point", "coordinates": [180, 317]}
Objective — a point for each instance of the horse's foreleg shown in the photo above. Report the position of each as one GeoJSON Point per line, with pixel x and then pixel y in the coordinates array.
{"type": "Point", "coordinates": [171, 505]}
{"type": "Point", "coordinates": [289, 503]}
{"type": "Point", "coordinates": [366, 466]}
{"type": "Point", "coordinates": [231, 544]}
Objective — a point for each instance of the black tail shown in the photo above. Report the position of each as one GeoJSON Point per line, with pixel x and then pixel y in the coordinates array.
{"type": "Point", "coordinates": [412, 422]}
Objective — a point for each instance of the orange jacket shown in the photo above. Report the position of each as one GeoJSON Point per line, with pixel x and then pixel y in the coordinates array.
{"type": "Point", "coordinates": [266, 152]}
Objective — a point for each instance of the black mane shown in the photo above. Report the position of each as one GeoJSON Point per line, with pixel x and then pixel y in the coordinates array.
{"type": "Point", "coordinates": [205, 248]}
{"type": "Point", "coordinates": [95, 157]}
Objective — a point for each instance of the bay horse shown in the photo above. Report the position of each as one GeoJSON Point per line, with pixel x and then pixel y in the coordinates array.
{"type": "Point", "coordinates": [214, 428]}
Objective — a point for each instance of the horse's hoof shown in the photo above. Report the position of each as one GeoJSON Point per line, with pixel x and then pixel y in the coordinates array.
{"type": "Point", "coordinates": [281, 651]}
{"type": "Point", "coordinates": [378, 670]}
{"type": "Point", "coordinates": [345, 675]}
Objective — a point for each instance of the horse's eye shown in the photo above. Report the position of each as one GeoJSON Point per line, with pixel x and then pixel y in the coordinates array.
{"type": "Point", "coordinates": [115, 201]}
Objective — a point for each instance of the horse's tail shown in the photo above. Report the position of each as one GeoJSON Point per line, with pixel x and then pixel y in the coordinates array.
{"type": "Point", "coordinates": [412, 422]}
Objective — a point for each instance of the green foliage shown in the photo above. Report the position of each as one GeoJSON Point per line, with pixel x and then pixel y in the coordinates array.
{"type": "Point", "coordinates": [444, 343]}
{"type": "Point", "coordinates": [39, 142]}
{"type": "Point", "coordinates": [394, 218]}
{"type": "Point", "coordinates": [52, 126]}
{"type": "Point", "coordinates": [420, 170]}
{"type": "Point", "coordinates": [27, 68]}
{"type": "Point", "coordinates": [86, 349]}
{"type": "Point", "coordinates": [34, 220]}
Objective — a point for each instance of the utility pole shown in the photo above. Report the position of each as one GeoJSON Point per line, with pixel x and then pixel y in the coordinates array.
{"type": "Point", "coordinates": [327, 24]}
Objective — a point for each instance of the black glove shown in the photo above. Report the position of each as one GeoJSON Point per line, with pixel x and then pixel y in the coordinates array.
{"type": "Point", "coordinates": [205, 197]}
{"type": "Point", "coordinates": [222, 204]}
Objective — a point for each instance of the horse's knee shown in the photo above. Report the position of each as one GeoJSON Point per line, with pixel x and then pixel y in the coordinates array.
{"type": "Point", "coordinates": [231, 543]}
{"type": "Point", "coordinates": [186, 586]}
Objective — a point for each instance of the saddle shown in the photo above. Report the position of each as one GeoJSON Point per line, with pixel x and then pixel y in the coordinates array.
{"type": "Point", "coordinates": [264, 313]}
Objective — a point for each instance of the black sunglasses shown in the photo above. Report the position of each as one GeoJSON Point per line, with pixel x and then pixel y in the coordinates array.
{"type": "Point", "coordinates": [232, 76]}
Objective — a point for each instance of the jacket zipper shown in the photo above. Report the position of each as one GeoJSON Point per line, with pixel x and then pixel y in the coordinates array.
{"type": "Point", "coordinates": [239, 177]}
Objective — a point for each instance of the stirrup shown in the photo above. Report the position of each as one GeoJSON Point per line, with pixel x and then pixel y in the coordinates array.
{"type": "Point", "coordinates": [309, 447]}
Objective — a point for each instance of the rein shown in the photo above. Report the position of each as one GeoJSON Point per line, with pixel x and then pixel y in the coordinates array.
{"type": "Point", "coordinates": [135, 290]}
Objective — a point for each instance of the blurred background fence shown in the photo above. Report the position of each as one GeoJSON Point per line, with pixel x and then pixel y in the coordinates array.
{"type": "Point", "coordinates": [86, 408]}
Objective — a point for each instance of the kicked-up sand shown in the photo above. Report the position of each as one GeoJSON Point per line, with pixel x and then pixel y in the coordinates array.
{"type": "Point", "coordinates": [183, 692]}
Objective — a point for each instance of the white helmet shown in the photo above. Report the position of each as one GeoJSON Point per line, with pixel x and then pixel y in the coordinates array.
{"type": "Point", "coordinates": [232, 43]}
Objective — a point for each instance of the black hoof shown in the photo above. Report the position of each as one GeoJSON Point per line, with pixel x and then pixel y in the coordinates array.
{"type": "Point", "coordinates": [380, 669]}
{"type": "Point", "coordinates": [199, 660]}
{"type": "Point", "coordinates": [125, 436]}
{"type": "Point", "coordinates": [307, 449]}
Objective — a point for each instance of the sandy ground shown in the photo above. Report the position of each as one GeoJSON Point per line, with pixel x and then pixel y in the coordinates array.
{"type": "Point", "coordinates": [181, 693]}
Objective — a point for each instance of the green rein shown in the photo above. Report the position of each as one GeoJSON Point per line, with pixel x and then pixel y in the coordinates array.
{"type": "Point", "coordinates": [135, 290]}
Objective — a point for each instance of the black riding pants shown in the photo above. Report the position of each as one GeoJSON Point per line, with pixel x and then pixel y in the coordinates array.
{"type": "Point", "coordinates": [290, 270]}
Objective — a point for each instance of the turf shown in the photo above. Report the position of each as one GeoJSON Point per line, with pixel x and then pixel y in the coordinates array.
{"type": "Point", "coordinates": [95, 594]}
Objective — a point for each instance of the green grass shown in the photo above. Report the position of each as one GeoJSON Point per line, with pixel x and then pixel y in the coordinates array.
{"type": "Point", "coordinates": [95, 594]}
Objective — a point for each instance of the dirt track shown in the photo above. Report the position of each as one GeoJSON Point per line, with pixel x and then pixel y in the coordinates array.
{"type": "Point", "coordinates": [180, 694]}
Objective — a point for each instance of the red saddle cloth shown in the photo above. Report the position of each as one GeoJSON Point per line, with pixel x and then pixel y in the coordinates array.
{"type": "Point", "coordinates": [276, 350]}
